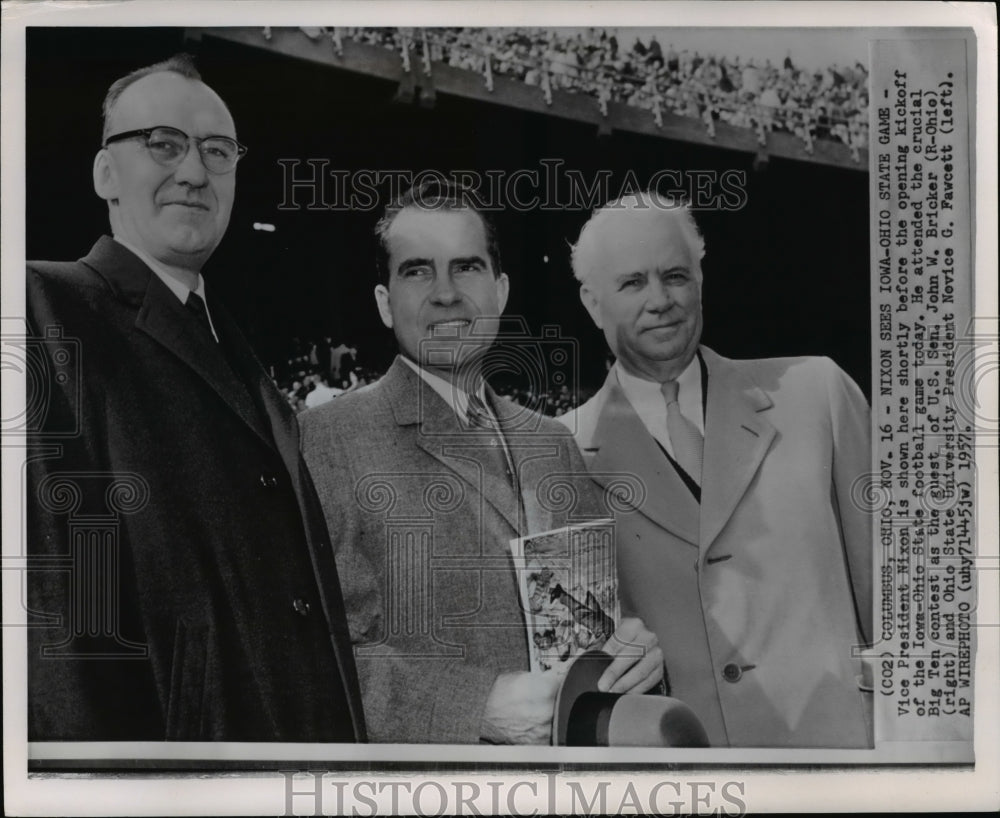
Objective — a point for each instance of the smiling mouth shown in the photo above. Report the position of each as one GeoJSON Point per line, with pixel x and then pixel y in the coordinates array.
{"type": "Point", "coordinates": [449, 328]}
{"type": "Point", "coordinates": [192, 205]}
{"type": "Point", "coordinates": [671, 325]}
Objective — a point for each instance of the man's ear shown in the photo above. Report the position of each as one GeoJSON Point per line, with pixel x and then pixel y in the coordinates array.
{"type": "Point", "coordinates": [503, 290]}
{"type": "Point", "coordinates": [382, 299]}
{"type": "Point", "coordinates": [592, 303]}
{"type": "Point", "coordinates": [105, 176]}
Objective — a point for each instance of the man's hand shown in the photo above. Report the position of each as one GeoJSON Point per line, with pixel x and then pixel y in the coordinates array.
{"type": "Point", "coordinates": [638, 660]}
{"type": "Point", "coordinates": [521, 706]}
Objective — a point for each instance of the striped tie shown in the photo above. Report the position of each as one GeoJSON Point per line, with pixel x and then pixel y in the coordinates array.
{"type": "Point", "coordinates": [479, 417]}
{"type": "Point", "coordinates": [687, 441]}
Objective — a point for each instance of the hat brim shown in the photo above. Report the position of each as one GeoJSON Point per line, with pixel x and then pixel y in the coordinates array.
{"type": "Point", "coordinates": [581, 678]}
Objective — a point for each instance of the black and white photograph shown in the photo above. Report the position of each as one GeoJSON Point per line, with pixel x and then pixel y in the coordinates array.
{"type": "Point", "coordinates": [316, 320]}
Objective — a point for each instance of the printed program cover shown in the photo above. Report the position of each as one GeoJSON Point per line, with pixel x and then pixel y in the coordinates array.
{"type": "Point", "coordinates": [569, 590]}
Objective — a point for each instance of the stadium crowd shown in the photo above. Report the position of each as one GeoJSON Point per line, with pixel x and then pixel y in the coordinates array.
{"type": "Point", "coordinates": [829, 104]}
{"type": "Point", "coordinates": [314, 372]}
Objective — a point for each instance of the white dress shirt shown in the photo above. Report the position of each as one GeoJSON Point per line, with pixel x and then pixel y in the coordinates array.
{"type": "Point", "coordinates": [651, 407]}
{"type": "Point", "coordinates": [182, 291]}
{"type": "Point", "coordinates": [456, 398]}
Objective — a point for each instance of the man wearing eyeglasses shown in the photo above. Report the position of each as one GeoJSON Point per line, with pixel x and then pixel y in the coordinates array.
{"type": "Point", "coordinates": [181, 580]}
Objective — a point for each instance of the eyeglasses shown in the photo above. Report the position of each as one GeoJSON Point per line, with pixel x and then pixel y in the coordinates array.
{"type": "Point", "coordinates": [168, 147]}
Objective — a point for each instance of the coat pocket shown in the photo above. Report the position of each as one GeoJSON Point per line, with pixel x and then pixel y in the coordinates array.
{"type": "Point", "coordinates": [185, 708]}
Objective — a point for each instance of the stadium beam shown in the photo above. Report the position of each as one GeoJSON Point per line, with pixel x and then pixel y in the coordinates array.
{"type": "Point", "coordinates": [377, 61]}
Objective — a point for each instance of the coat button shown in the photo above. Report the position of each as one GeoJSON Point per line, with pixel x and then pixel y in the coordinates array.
{"type": "Point", "coordinates": [732, 672]}
{"type": "Point", "coordinates": [301, 606]}
{"type": "Point", "coordinates": [268, 481]}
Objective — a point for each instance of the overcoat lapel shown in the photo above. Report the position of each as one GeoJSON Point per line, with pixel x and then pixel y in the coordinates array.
{"type": "Point", "coordinates": [737, 437]}
{"type": "Point", "coordinates": [284, 430]}
{"type": "Point", "coordinates": [533, 457]}
{"type": "Point", "coordinates": [163, 318]}
{"type": "Point", "coordinates": [622, 446]}
{"type": "Point", "coordinates": [438, 433]}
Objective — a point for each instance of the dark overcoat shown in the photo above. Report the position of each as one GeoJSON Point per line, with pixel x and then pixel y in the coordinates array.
{"type": "Point", "coordinates": [182, 582]}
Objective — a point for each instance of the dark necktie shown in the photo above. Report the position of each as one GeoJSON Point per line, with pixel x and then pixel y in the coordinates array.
{"type": "Point", "coordinates": [196, 306]}
{"type": "Point", "coordinates": [686, 440]}
{"type": "Point", "coordinates": [247, 381]}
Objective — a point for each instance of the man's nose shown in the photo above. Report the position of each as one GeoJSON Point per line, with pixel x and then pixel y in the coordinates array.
{"type": "Point", "coordinates": [191, 170]}
{"type": "Point", "coordinates": [660, 298]}
{"type": "Point", "coordinates": [445, 291]}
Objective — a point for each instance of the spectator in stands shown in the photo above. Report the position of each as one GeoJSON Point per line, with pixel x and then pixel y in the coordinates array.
{"type": "Point", "coordinates": [321, 353]}
{"type": "Point", "coordinates": [751, 81]}
{"type": "Point", "coordinates": [322, 391]}
{"type": "Point", "coordinates": [337, 356]}
{"type": "Point", "coordinates": [769, 104]}
{"type": "Point", "coordinates": [347, 364]}
{"type": "Point", "coordinates": [673, 62]}
{"type": "Point", "coordinates": [655, 55]}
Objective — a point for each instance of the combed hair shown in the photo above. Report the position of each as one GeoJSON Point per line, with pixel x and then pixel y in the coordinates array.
{"type": "Point", "coordinates": [182, 64]}
{"type": "Point", "coordinates": [434, 194]}
{"type": "Point", "coordinates": [671, 208]}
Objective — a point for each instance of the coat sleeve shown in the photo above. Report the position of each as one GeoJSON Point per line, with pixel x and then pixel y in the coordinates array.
{"type": "Point", "coordinates": [852, 469]}
{"type": "Point", "coordinates": [407, 698]}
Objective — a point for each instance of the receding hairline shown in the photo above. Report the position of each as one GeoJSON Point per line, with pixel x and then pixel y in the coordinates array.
{"type": "Point", "coordinates": [454, 202]}
{"type": "Point", "coordinates": [115, 94]}
{"type": "Point", "coordinates": [458, 209]}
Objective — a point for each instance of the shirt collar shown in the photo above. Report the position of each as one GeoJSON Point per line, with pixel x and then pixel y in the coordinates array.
{"type": "Point", "coordinates": [175, 286]}
{"type": "Point", "coordinates": [455, 397]}
{"type": "Point", "coordinates": [647, 400]}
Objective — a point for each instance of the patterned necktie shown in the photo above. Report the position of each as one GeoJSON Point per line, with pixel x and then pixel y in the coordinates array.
{"type": "Point", "coordinates": [687, 441]}
{"type": "Point", "coordinates": [479, 417]}
{"type": "Point", "coordinates": [196, 306]}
